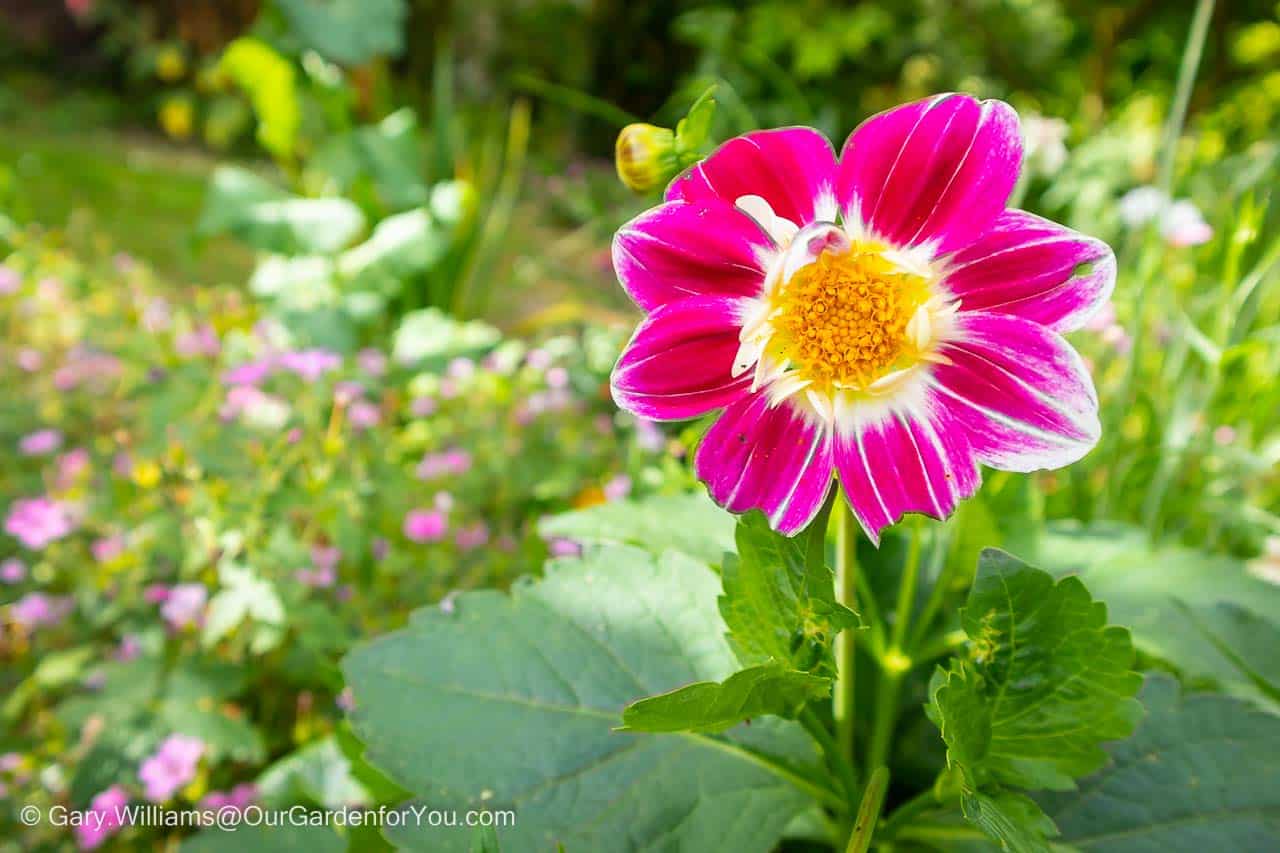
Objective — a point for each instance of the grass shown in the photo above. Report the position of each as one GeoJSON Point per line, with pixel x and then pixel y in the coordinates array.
{"type": "Point", "coordinates": [139, 193]}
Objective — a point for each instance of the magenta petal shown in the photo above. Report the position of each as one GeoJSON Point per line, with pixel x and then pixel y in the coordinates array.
{"type": "Point", "coordinates": [906, 463]}
{"type": "Point", "coordinates": [679, 250]}
{"type": "Point", "coordinates": [679, 361]}
{"type": "Point", "coordinates": [1033, 268]}
{"type": "Point", "coordinates": [792, 168]}
{"type": "Point", "coordinates": [935, 172]}
{"type": "Point", "coordinates": [1020, 390]}
{"type": "Point", "coordinates": [769, 458]}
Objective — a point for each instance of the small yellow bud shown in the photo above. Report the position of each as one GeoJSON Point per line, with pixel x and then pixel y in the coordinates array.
{"type": "Point", "coordinates": [171, 64]}
{"type": "Point", "coordinates": [177, 118]}
{"type": "Point", "coordinates": [645, 156]}
{"type": "Point", "coordinates": [146, 474]}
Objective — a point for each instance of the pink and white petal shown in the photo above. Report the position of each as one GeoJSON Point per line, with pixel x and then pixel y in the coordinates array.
{"type": "Point", "coordinates": [1020, 390]}
{"type": "Point", "coordinates": [932, 173]}
{"type": "Point", "coordinates": [910, 461]}
{"type": "Point", "coordinates": [770, 458]}
{"type": "Point", "coordinates": [792, 168]}
{"type": "Point", "coordinates": [679, 362]}
{"type": "Point", "coordinates": [1033, 268]}
{"type": "Point", "coordinates": [678, 250]}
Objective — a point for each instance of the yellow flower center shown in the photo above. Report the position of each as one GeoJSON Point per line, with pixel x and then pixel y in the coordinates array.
{"type": "Point", "coordinates": [843, 321]}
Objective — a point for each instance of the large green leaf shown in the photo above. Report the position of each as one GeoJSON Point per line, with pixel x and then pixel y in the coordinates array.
{"type": "Point", "coordinates": [710, 706]}
{"type": "Point", "coordinates": [778, 602]}
{"type": "Point", "coordinates": [511, 701]}
{"type": "Point", "coordinates": [1046, 680]}
{"type": "Point", "coordinates": [1226, 618]}
{"type": "Point", "coordinates": [350, 32]}
{"type": "Point", "coordinates": [1012, 819]}
{"type": "Point", "coordinates": [430, 335]}
{"type": "Point", "coordinates": [255, 211]}
{"type": "Point", "coordinates": [1201, 773]}
{"type": "Point", "coordinates": [691, 523]}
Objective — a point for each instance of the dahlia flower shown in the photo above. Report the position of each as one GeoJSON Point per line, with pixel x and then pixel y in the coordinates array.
{"type": "Point", "coordinates": [881, 315]}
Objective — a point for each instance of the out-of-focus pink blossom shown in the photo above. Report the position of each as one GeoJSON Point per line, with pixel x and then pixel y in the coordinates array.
{"type": "Point", "coordinates": [316, 578]}
{"type": "Point", "coordinates": [443, 501]}
{"type": "Point", "coordinates": [538, 359]}
{"type": "Point", "coordinates": [425, 525]}
{"type": "Point", "coordinates": [424, 407]}
{"type": "Point", "coordinates": [202, 341]}
{"type": "Point", "coordinates": [106, 813]}
{"type": "Point", "coordinates": [454, 461]}
{"type": "Point", "coordinates": [557, 377]}
{"type": "Point", "coordinates": [449, 388]}
{"type": "Point", "coordinates": [156, 593]}
{"type": "Point", "coordinates": [1224, 435]}
{"type": "Point", "coordinates": [460, 369]}
{"type": "Point", "coordinates": [37, 610]}
{"type": "Point", "coordinates": [240, 797]}
{"type": "Point", "coordinates": [364, 415]}
{"type": "Point", "coordinates": [1118, 339]}
{"type": "Point", "coordinates": [107, 548]}
{"type": "Point", "coordinates": [40, 442]}
{"type": "Point", "coordinates": [9, 280]}
{"type": "Point", "coordinates": [561, 547]}
{"type": "Point", "coordinates": [1103, 318]}
{"type": "Point", "coordinates": [310, 364]}
{"type": "Point", "coordinates": [649, 436]}
{"type": "Point", "coordinates": [250, 373]}
{"type": "Point", "coordinates": [29, 359]}
{"type": "Point", "coordinates": [157, 316]}
{"type": "Point", "coordinates": [71, 466]}
{"type": "Point", "coordinates": [35, 522]}
{"type": "Point", "coordinates": [345, 700]}
{"type": "Point", "coordinates": [617, 488]}
{"type": "Point", "coordinates": [346, 393]}
{"type": "Point", "coordinates": [1183, 225]}
{"type": "Point", "coordinates": [129, 649]}
{"type": "Point", "coordinates": [472, 536]}
{"type": "Point", "coordinates": [184, 606]}
{"type": "Point", "coordinates": [172, 766]}
{"type": "Point", "coordinates": [12, 571]}
{"type": "Point", "coordinates": [372, 361]}
{"type": "Point", "coordinates": [254, 408]}
{"type": "Point", "coordinates": [86, 367]}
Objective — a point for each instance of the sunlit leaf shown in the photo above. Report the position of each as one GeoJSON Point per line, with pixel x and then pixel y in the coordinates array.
{"type": "Point", "coordinates": [710, 706]}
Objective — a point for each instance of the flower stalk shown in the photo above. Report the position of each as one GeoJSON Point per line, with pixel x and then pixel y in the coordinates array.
{"type": "Point", "coordinates": [846, 641]}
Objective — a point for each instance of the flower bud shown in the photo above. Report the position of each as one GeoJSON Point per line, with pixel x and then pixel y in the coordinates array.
{"type": "Point", "coordinates": [646, 156]}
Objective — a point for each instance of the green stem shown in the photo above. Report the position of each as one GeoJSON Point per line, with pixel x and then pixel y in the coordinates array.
{"type": "Point", "coordinates": [938, 594]}
{"type": "Point", "coordinates": [1182, 94]}
{"type": "Point", "coordinates": [909, 811]}
{"type": "Point", "coordinates": [894, 663]}
{"type": "Point", "coordinates": [906, 589]}
{"type": "Point", "coordinates": [838, 760]}
{"type": "Point", "coordinates": [869, 811]}
{"type": "Point", "coordinates": [846, 648]}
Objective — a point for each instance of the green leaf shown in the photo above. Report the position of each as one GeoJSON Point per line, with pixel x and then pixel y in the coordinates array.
{"type": "Point", "coordinates": [349, 32]}
{"type": "Point", "coordinates": [779, 604]}
{"type": "Point", "coordinates": [1046, 680]}
{"type": "Point", "coordinates": [511, 701]}
{"type": "Point", "coordinates": [383, 157]}
{"type": "Point", "coordinates": [690, 523]}
{"type": "Point", "coordinates": [1227, 619]}
{"type": "Point", "coordinates": [253, 210]}
{"type": "Point", "coordinates": [432, 335]}
{"type": "Point", "coordinates": [268, 79]}
{"type": "Point", "coordinates": [318, 773]}
{"type": "Point", "coordinates": [710, 706]}
{"type": "Point", "coordinates": [1201, 773]}
{"type": "Point", "coordinates": [485, 840]}
{"type": "Point", "coordinates": [1012, 819]}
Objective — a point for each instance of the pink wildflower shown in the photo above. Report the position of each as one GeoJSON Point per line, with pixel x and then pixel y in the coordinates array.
{"type": "Point", "coordinates": [311, 364]}
{"type": "Point", "coordinates": [35, 522]}
{"type": "Point", "coordinates": [425, 525]}
{"type": "Point", "coordinates": [171, 767]}
{"type": "Point", "coordinates": [183, 607]}
{"type": "Point", "coordinates": [105, 817]}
